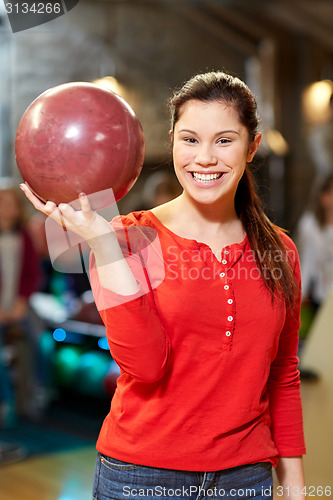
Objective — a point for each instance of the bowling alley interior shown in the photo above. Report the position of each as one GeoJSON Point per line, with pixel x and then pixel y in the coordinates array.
{"type": "Point", "coordinates": [57, 376]}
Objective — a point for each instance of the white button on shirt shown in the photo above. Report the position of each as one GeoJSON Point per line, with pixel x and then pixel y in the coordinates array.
{"type": "Point", "coordinates": [230, 318]}
{"type": "Point", "coordinates": [228, 333]}
{"type": "Point", "coordinates": [226, 287]}
{"type": "Point", "coordinates": [224, 261]}
{"type": "Point", "coordinates": [230, 301]}
{"type": "Point", "coordinates": [222, 275]}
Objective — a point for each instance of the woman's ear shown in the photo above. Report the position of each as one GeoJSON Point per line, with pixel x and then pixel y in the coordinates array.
{"type": "Point", "coordinates": [254, 146]}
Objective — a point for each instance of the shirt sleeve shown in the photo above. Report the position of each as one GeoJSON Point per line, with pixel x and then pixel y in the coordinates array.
{"type": "Point", "coordinates": [284, 383]}
{"type": "Point", "coordinates": [137, 338]}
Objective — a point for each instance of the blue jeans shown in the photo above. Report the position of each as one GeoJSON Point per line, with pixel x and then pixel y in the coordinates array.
{"type": "Point", "coordinates": [117, 480]}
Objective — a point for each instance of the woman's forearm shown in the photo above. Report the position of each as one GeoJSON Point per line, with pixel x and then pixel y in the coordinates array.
{"type": "Point", "coordinates": [136, 335]}
{"type": "Point", "coordinates": [113, 271]}
{"type": "Point", "coordinates": [290, 474]}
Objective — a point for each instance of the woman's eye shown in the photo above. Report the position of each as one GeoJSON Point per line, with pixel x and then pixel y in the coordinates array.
{"type": "Point", "coordinates": [224, 141]}
{"type": "Point", "coordinates": [192, 140]}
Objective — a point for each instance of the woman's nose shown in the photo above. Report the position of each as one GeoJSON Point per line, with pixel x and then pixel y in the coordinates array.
{"type": "Point", "coordinates": [205, 155]}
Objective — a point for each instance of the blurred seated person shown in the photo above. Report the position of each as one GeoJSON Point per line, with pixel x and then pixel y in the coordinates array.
{"type": "Point", "coordinates": [315, 242]}
{"type": "Point", "coordinates": [19, 278]}
{"type": "Point", "coordinates": [315, 245]}
{"type": "Point", "coordinates": [321, 147]}
{"type": "Point", "coordinates": [159, 187]}
{"type": "Point", "coordinates": [36, 229]}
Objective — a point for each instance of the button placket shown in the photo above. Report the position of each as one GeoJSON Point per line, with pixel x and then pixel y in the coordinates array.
{"type": "Point", "coordinates": [229, 320]}
{"type": "Point", "coordinates": [224, 257]}
{"type": "Point", "coordinates": [230, 256]}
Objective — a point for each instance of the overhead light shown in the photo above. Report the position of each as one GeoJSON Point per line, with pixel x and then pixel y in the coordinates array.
{"type": "Point", "coordinates": [316, 98]}
{"type": "Point", "coordinates": [110, 83]}
{"type": "Point", "coordinates": [276, 142]}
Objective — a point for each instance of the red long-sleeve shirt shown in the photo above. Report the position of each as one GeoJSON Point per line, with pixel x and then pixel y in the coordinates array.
{"type": "Point", "coordinates": [209, 375]}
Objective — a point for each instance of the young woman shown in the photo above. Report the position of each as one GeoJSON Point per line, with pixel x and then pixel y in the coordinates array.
{"type": "Point", "coordinates": [206, 336]}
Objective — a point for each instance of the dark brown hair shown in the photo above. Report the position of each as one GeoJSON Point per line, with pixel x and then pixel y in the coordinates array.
{"type": "Point", "coordinates": [264, 236]}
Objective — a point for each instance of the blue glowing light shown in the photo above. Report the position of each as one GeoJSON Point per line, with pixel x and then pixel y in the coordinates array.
{"type": "Point", "coordinates": [59, 335]}
{"type": "Point", "coordinates": [103, 343]}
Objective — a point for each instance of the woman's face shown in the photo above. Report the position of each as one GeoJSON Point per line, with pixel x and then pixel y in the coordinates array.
{"type": "Point", "coordinates": [210, 150]}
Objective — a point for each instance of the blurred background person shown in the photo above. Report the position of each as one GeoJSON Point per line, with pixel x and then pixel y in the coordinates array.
{"type": "Point", "coordinates": [19, 328]}
{"type": "Point", "coordinates": [160, 187]}
{"type": "Point", "coordinates": [315, 241]}
{"type": "Point", "coordinates": [315, 245]}
{"type": "Point", "coordinates": [321, 147]}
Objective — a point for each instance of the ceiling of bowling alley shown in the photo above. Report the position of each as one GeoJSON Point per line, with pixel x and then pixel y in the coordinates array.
{"type": "Point", "coordinates": [245, 22]}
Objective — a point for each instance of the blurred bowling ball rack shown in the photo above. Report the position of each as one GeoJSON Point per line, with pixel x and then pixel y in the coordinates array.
{"type": "Point", "coordinates": [76, 349]}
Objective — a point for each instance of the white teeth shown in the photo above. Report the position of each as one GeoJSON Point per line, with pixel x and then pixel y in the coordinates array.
{"type": "Point", "coordinates": [206, 177]}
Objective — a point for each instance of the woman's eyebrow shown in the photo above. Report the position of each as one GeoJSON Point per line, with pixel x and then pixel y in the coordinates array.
{"type": "Point", "coordinates": [217, 133]}
{"type": "Point", "coordinates": [227, 132]}
{"type": "Point", "coordinates": [186, 130]}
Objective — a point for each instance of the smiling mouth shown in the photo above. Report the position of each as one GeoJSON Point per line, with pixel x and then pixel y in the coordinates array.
{"type": "Point", "coordinates": [206, 177]}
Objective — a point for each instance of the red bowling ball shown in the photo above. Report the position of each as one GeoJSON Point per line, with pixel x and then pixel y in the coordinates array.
{"type": "Point", "coordinates": [79, 137]}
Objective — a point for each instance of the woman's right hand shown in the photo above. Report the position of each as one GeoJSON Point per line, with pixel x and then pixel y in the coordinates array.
{"type": "Point", "coordinates": [85, 222]}
{"type": "Point", "coordinates": [113, 270]}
